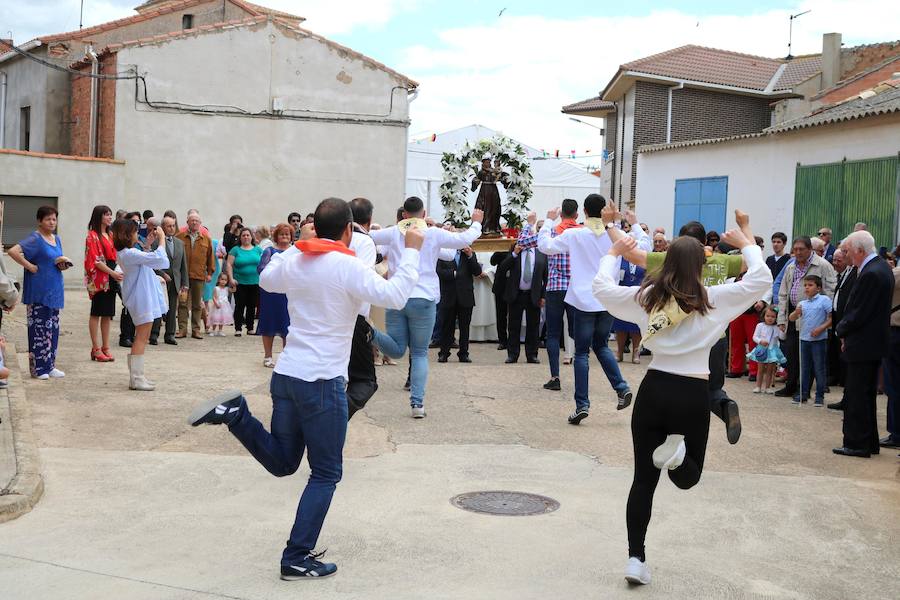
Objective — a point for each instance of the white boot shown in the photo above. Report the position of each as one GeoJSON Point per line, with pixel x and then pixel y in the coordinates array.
{"type": "Point", "coordinates": [136, 371]}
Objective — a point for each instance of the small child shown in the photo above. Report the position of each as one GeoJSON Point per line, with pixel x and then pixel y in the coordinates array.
{"type": "Point", "coordinates": [767, 353]}
{"type": "Point", "coordinates": [814, 314]}
{"type": "Point", "coordinates": [219, 308]}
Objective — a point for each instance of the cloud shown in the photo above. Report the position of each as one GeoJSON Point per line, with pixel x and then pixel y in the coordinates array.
{"type": "Point", "coordinates": [515, 76]}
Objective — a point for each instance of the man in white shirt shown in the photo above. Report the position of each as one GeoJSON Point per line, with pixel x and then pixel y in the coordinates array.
{"type": "Point", "coordinates": [309, 405]}
{"type": "Point", "coordinates": [413, 325]}
{"type": "Point", "coordinates": [586, 247]}
{"type": "Point", "coordinates": [362, 382]}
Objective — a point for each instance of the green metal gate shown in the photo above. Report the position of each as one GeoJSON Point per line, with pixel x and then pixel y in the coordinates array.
{"type": "Point", "coordinates": [839, 195]}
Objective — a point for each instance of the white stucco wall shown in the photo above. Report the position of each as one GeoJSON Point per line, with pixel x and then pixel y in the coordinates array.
{"type": "Point", "coordinates": [261, 168]}
{"type": "Point", "coordinates": [760, 171]}
{"type": "Point", "coordinates": [78, 185]}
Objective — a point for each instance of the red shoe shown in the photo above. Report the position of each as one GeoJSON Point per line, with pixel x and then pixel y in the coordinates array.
{"type": "Point", "coordinates": [98, 355]}
{"type": "Point", "coordinates": [108, 354]}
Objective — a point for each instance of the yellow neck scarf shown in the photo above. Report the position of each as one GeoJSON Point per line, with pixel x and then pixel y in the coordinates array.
{"type": "Point", "coordinates": [407, 224]}
{"type": "Point", "coordinates": [669, 316]}
{"type": "Point", "coordinates": [596, 225]}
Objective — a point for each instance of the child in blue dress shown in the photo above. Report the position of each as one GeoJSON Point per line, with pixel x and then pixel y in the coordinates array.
{"type": "Point", "coordinates": [767, 352]}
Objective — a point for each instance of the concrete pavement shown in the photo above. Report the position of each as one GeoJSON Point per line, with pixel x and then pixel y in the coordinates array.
{"type": "Point", "coordinates": [138, 505]}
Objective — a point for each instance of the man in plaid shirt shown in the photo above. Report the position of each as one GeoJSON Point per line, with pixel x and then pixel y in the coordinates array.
{"type": "Point", "coordinates": [558, 266]}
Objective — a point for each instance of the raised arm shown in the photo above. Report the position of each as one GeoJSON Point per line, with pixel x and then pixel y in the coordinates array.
{"type": "Point", "coordinates": [548, 244]}
{"type": "Point", "coordinates": [732, 299]}
{"type": "Point", "coordinates": [620, 301]}
{"type": "Point", "coordinates": [459, 239]}
{"type": "Point", "coordinates": [272, 279]}
{"type": "Point", "coordinates": [384, 236]}
{"type": "Point", "coordinates": [155, 260]}
{"type": "Point", "coordinates": [366, 285]}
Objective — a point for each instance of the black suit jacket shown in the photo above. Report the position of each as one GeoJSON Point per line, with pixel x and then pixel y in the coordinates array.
{"type": "Point", "coordinates": [865, 327]}
{"type": "Point", "coordinates": [843, 291]}
{"type": "Point", "coordinates": [499, 286]}
{"type": "Point", "coordinates": [512, 269]}
{"type": "Point", "coordinates": [457, 283]}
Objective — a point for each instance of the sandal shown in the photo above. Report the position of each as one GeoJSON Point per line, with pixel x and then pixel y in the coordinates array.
{"type": "Point", "coordinates": [98, 355]}
{"type": "Point", "coordinates": [268, 362]}
{"type": "Point", "coordinates": [108, 354]}
{"type": "Point", "coordinates": [636, 359]}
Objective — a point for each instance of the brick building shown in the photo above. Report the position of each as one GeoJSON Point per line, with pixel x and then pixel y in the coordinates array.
{"type": "Point", "coordinates": [693, 92]}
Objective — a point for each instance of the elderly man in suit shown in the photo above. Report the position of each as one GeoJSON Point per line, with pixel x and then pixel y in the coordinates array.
{"type": "Point", "coordinates": [846, 277]}
{"type": "Point", "coordinates": [500, 307]}
{"type": "Point", "coordinates": [176, 277]}
{"type": "Point", "coordinates": [201, 264]}
{"type": "Point", "coordinates": [864, 330]}
{"type": "Point", "coordinates": [457, 300]}
{"type": "Point", "coordinates": [526, 281]}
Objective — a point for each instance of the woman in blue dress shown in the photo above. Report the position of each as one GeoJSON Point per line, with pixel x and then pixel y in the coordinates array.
{"type": "Point", "coordinates": [42, 258]}
{"type": "Point", "coordinates": [142, 292]}
{"type": "Point", "coordinates": [273, 311]}
{"type": "Point", "coordinates": [631, 276]}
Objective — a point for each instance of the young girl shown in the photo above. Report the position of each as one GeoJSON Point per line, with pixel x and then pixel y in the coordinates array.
{"type": "Point", "coordinates": [219, 308]}
{"type": "Point", "coordinates": [141, 292]}
{"type": "Point", "coordinates": [767, 352]}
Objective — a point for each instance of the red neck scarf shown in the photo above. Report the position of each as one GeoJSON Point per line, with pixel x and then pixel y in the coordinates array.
{"type": "Point", "coordinates": [566, 224]}
{"type": "Point", "coordinates": [322, 246]}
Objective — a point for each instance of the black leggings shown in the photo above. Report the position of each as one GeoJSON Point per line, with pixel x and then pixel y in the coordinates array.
{"type": "Point", "coordinates": [665, 404]}
{"type": "Point", "coordinates": [246, 297]}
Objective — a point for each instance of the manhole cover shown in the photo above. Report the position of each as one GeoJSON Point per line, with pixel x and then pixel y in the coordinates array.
{"type": "Point", "coordinates": [505, 503]}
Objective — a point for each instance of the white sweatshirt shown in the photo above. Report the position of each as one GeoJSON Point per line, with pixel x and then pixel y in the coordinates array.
{"type": "Point", "coordinates": [683, 349]}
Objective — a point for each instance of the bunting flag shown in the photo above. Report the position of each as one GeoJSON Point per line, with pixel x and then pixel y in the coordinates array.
{"type": "Point", "coordinates": [557, 154]}
{"type": "Point", "coordinates": [433, 137]}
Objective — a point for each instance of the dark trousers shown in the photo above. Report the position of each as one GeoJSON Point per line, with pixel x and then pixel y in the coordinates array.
{"type": "Point", "coordinates": [791, 348]}
{"type": "Point", "coordinates": [306, 416]}
{"type": "Point", "coordinates": [891, 369]}
{"type": "Point", "coordinates": [362, 383]}
{"type": "Point", "coordinates": [438, 323]}
{"type": "Point", "coordinates": [665, 404]}
{"type": "Point", "coordinates": [449, 315]}
{"type": "Point", "coordinates": [837, 366]}
{"type": "Point", "coordinates": [523, 304]}
{"type": "Point", "coordinates": [501, 309]}
{"type": "Point", "coordinates": [126, 326]}
{"type": "Point", "coordinates": [245, 300]}
{"type": "Point", "coordinates": [171, 317]}
{"type": "Point", "coordinates": [555, 308]}
{"type": "Point", "coordinates": [718, 355]}
{"type": "Point", "coordinates": [860, 426]}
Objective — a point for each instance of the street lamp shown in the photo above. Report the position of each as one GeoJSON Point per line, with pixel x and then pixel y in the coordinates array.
{"type": "Point", "coordinates": [602, 130]}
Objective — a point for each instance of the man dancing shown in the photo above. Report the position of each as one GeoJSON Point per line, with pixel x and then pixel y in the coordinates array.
{"type": "Point", "coordinates": [586, 246]}
{"type": "Point", "coordinates": [309, 405]}
{"type": "Point", "coordinates": [413, 324]}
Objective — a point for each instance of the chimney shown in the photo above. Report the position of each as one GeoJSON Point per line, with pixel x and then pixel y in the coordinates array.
{"type": "Point", "coordinates": [831, 59]}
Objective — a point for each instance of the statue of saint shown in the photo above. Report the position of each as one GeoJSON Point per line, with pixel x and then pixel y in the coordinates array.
{"type": "Point", "coordinates": [489, 196]}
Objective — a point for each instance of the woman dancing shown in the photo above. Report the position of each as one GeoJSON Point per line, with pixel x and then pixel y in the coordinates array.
{"type": "Point", "coordinates": [680, 320]}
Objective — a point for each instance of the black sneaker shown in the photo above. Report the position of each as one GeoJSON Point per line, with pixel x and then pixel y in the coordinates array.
{"type": "Point", "coordinates": [406, 386]}
{"type": "Point", "coordinates": [624, 399]}
{"type": "Point", "coordinates": [220, 410]}
{"type": "Point", "coordinates": [578, 416]}
{"type": "Point", "coordinates": [308, 568]}
{"type": "Point", "coordinates": [553, 384]}
{"type": "Point", "coordinates": [732, 421]}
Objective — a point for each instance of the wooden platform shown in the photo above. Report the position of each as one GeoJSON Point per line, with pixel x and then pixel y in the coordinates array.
{"type": "Point", "coordinates": [500, 244]}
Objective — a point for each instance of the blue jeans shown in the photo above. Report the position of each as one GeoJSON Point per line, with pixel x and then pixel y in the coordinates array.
{"type": "Point", "coordinates": [411, 326]}
{"type": "Point", "coordinates": [592, 332]}
{"type": "Point", "coordinates": [555, 307]}
{"type": "Point", "coordinates": [309, 416]}
{"type": "Point", "coordinates": [812, 363]}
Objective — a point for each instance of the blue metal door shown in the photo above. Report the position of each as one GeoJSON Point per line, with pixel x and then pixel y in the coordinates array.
{"type": "Point", "coordinates": [703, 199]}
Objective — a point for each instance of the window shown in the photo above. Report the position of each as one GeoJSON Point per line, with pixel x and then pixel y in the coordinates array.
{"type": "Point", "coordinates": [704, 200]}
{"type": "Point", "coordinates": [187, 21]}
{"type": "Point", "coordinates": [25, 128]}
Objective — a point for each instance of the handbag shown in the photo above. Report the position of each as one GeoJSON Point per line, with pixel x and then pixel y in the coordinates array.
{"type": "Point", "coordinates": [760, 353]}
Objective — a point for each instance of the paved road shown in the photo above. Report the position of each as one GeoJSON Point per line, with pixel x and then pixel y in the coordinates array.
{"type": "Point", "coordinates": [137, 505]}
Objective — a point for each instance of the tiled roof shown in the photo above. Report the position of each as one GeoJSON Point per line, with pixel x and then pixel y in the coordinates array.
{"type": "Point", "coordinates": [275, 13]}
{"type": "Point", "coordinates": [798, 69]}
{"type": "Point", "coordinates": [595, 103]}
{"type": "Point", "coordinates": [709, 65]}
{"type": "Point", "coordinates": [880, 100]}
{"type": "Point", "coordinates": [857, 76]}
{"type": "Point", "coordinates": [81, 34]}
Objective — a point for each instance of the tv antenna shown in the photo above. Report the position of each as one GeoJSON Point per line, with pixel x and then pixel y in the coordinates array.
{"type": "Point", "coordinates": [791, 32]}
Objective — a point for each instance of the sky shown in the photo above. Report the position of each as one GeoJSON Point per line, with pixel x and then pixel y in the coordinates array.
{"type": "Point", "coordinates": [510, 65]}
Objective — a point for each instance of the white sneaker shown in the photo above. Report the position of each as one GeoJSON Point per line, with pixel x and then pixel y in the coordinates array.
{"type": "Point", "coordinates": [418, 412]}
{"type": "Point", "coordinates": [56, 373]}
{"type": "Point", "coordinates": [44, 376]}
{"type": "Point", "coordinates": [757, 390]}
{"type": "Point", "coordinates": [636, 571]}
{"type": "Point", "coordinates": [670, 454]}
{"type": "Point", "coordinates": [770, 391]}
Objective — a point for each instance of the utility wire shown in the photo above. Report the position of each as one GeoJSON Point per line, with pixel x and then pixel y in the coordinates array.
{"type": "Point", "coordinates": [69, 70]}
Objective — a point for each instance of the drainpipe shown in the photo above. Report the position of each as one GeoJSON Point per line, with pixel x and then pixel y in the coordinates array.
{"type": "Point", "coordinates": [95, 100]}
{"type": "Point", "coordinates": [2, 109]}
{"type": "Point", "coordinates": [680, 86]}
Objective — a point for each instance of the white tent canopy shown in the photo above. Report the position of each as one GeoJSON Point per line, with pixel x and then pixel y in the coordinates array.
{"type": "Point", "coordinates": [554, 179]}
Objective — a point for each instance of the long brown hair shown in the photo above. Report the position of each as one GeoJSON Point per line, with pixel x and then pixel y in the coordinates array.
{"type": "Point", "coordinates": [680, 278]}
